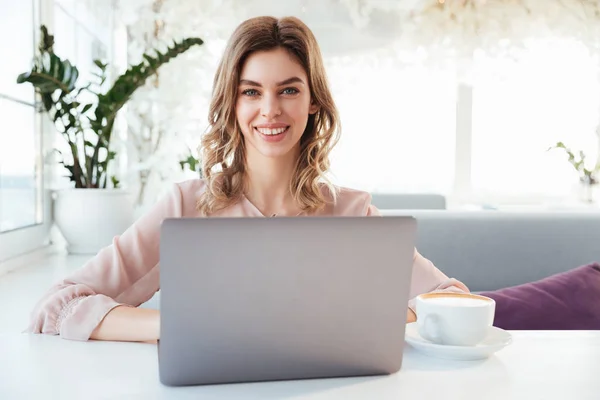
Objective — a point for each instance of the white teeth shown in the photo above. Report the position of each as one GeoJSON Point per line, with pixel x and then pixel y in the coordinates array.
{"type": "Point", "coordinates": [271, 132]}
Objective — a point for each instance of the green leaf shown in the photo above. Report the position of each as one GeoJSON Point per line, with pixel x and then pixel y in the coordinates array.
{"type": "Point", "coordinates": [150, 60]}
{"type": "Point", "coordinates": [86, 108]}
{"type": "Point", "coordinates": [67, 67]}
{"type": "Point", "coordinates": [81, 89]}
{"type": "Point", "coordinates": [50, 74]}
{"type": "Point", "coordinates": [55, 80]}
{"type": "Point", "coordinates": [22, 78]}
{"type": "Point", "coordinates": [57, 115]}
{"type": "Point", "coordinates": [47, 40]}
{"type": "Point", "coordinates": [125, 86]}
{"type": "Point", "coordinates": [136, 75]}
{"type": "Point", "coordinates": [74, 77]}
{"type": "Point", "coordinates": [46, 62]}
{"type": "Point", "coordinates": [191, 161]}
{"type": "Point", "coordinates": [101, 65]}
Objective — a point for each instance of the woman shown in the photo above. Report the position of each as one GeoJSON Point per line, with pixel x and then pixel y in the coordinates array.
{"type": "Point", "coordinates": [273, 124]}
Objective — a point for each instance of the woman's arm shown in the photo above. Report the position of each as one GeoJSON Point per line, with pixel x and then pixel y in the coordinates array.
{"type": "Point", "coordinates": [129, 324]}
{"type": "Point", "coordinates": [425, 277]}
{"type": "Point", "coordinates": [88, 303]}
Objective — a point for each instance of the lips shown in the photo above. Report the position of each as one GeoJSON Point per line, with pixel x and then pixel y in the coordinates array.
{"type": "Point", "coordinates": [272, 132]}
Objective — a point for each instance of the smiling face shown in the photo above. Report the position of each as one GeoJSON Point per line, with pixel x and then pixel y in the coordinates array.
{"type": "Point", "coordinates": [273, 104]}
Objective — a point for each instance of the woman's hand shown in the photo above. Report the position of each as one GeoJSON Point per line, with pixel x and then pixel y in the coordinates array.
{"type": "Point", "coordinates": [410, 316]}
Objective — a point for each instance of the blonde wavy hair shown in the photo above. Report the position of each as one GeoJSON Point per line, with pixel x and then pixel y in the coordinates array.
{"type": "Point", "coordinates": [222, 146]}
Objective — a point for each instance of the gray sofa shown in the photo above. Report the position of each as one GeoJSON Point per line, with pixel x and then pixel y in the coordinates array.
{"type": "Point", "coordinates": [410, 201]}
{"type": "Point", "coordinates": [490, 250]}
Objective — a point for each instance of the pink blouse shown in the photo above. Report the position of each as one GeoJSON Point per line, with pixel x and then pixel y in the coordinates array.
{"type": "Point", "coordinates": [127, 271]}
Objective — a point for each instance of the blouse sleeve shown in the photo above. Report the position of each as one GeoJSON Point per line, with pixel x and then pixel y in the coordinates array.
{"type": "Point", "coordinates": [425, 276]}
{"type": "Point", "coordinates": [123, 273]}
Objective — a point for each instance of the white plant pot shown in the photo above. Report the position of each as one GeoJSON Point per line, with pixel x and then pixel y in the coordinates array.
{"type": "Point", "coordinates": [89, 219]}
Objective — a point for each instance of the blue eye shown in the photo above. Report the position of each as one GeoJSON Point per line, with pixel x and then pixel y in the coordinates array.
{"type": "Point", "coordinates": [290, 91]}
{"type": "Point", "coordinates": [250, 92]}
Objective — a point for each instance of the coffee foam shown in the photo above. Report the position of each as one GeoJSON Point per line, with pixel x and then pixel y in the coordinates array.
{"type": "Point", "coordinates": [456, 300]}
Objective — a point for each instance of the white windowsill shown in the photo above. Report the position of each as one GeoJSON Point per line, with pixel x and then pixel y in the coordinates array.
{"type": "Point", "coordinates": [32, 258]}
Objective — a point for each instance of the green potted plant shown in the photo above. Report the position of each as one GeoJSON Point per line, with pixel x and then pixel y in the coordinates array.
{"type": "Point", "coordinates": [90, 214]}
{"type": "Point", "coordinates": [589, 176]}
{"type": "Point", "coordinates": [193, 163]}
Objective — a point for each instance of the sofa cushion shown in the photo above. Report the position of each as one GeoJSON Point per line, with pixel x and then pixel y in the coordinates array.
{"type": "Point", "coordinates": [568, 300]}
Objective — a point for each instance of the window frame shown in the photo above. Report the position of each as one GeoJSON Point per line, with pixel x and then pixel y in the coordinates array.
{"type": "Point", "coordinates": [41, 236]}
{"type": "Point", "coordinates": [26, 239]}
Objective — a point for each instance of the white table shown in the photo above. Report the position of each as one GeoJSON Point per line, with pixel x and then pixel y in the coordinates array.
{"type": "Point", "coordinates": [538, 365]}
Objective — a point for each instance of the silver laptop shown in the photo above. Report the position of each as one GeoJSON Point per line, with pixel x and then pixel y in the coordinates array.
{"type": "Point", "coordinates": [262, 299]}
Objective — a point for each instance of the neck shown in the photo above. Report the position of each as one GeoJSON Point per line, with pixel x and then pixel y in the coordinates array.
{"type": "Point", "coordinates": [268, 183]}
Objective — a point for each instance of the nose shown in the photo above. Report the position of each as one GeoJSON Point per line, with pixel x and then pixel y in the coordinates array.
{"type": "Point", "coordinates": [270, 107]}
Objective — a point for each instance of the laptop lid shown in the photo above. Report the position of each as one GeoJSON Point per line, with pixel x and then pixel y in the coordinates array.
{"type": "Point", "coordinates": [260, 299]}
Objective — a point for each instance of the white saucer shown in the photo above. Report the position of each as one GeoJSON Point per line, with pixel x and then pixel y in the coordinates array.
{"type": "Point", "coordinates": [496, 340]}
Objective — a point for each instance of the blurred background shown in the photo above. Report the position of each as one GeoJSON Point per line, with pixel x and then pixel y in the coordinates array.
{"type": "Point", "coordinates": [452, 104]}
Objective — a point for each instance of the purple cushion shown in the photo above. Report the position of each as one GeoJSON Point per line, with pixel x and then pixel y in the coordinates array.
{"type": "Point", "coordinates": [569, 300]}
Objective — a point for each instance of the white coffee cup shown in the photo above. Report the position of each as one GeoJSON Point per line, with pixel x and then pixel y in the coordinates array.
{"type": "Point", "coordinates": [457, 319]}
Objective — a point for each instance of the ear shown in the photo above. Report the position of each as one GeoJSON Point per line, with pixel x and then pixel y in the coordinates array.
{"type": "Point", "coordinates": [313, 108]}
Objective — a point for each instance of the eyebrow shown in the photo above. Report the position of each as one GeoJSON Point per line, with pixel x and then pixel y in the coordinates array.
{"type": "Point", "coordinates": [294, 79]}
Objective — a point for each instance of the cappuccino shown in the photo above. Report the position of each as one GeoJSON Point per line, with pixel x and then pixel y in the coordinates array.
{"type": "Point", "coordinates": [458, 319]}
{"type": "Point", "coordinates": [454, 301]}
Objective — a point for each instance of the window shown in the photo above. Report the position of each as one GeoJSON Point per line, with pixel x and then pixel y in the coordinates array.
{"type": "Point", "coordinates": [551, 95]}
{"type": "Point", "coordinates": [23, 204]}
{"type": "Point", "coordinates": [82, 31]}
{"type": "Point", "coordinates": [398, 126]}
{"type": "Point", "coordinates": [410, 129]}
{"type": "Point", "coordinates": [18, 149]}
